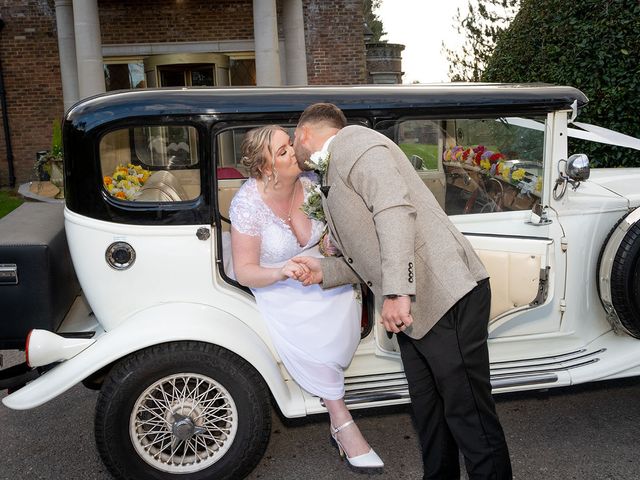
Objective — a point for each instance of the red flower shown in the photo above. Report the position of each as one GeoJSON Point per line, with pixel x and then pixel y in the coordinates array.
{"type": "Point", "coordinates": [495, 157]}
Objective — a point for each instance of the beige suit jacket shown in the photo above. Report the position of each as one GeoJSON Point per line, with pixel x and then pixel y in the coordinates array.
{"type": "Point", "coordinates": [391, 231]}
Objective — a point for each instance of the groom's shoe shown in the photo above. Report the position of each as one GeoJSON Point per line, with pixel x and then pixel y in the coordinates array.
{"type": "Point", "coordinates": [366, 460]}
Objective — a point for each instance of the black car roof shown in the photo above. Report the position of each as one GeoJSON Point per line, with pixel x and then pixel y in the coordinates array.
{"type": "Point", "coordinates": [455, 98]}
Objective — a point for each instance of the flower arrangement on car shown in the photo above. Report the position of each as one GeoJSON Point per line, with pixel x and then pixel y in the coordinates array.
{"type": "Point", "coordinates": [126, 181]}
{"type": "Point", "coordinates": [494, 164]}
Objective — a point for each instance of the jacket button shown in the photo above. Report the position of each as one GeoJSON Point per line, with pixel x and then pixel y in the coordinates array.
{"type": "Point", "coordinates": [369, 284]}
{"type": "Point", "coordinates": [350, 260]}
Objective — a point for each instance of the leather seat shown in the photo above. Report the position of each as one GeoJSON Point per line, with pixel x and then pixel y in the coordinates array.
{"type": "Point", "coordinates": [162, 186]}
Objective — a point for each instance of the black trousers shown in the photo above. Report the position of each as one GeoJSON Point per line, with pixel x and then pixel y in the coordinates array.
{"type": "Point", "coordinates": [448, 375]}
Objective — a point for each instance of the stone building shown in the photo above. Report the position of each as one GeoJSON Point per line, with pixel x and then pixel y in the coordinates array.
{"type": "Point", "coordinates": [55, 52]}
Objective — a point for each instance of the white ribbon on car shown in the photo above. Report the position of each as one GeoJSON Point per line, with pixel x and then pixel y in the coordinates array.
{"type": "Point", "coordinates": [592, 133]}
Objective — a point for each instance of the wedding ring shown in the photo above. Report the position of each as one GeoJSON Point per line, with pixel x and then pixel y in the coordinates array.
{"type": "Point", "coordinates": [399, 325]}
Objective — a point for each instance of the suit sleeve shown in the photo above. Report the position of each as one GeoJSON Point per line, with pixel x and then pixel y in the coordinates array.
{"type": "Point", "coordinates": [336, 272]}
{"type": "Point", "coordinates": [376, 179]}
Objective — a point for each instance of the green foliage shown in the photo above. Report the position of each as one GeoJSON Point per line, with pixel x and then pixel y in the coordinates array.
{"type": "Point", "coordinates": [428, 153]}
{"type": "Point", "coordinates": [484, 22]}
{"type": "Point", "coordinates": [56, 139]}
{"type": "Point", "coordinates": [372, 20]}
{"type": "Point", "coordinates": [589, 44]}
{"type": "Point", "coordinates": [8, 202]}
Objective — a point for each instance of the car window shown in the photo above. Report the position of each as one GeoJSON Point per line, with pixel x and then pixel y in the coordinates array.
{"type": "Point", "coordinates": [151, 164]}
{"type": "Point", "coordinates": [229, 151]}
{"type": "Point", "coordinates": [475, 165]}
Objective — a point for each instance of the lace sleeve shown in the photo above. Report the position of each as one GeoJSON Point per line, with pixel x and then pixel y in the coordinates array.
{"type": "Point", "coordinates": [242, 213]}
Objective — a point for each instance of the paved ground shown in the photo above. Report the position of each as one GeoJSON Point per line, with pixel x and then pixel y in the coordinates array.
{"type": "Point", "coordinates": [585, 432]}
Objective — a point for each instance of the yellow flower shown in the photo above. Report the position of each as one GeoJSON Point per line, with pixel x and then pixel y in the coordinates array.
{"type": "Point", "coordinates": [518, 174]}
{"type": "Point", "coordinates": [133, 179]}
{"type": "Point", "coordinates": [485, 164]}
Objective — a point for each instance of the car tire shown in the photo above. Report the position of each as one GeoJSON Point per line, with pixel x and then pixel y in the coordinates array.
{"type": "Point", "coordinates": [185, 410]}
{"type": "Point", "coordinates": [622, 294]}
{"type": "Point", "coordinates": [625, 281]}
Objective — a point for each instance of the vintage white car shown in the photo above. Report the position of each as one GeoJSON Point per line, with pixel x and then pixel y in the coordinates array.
{"type": "Point", "coordinates": [184, 363]}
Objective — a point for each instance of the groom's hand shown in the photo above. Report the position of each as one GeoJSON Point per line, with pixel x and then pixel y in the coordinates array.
{"type": "Point", "coordinates": [396, 314]}
{"type": "Point", "coordinates": [312, 271]}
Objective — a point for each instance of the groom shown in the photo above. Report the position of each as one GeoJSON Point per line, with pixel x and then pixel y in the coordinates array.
{"type": "Point", "coordinates": [395, 238]}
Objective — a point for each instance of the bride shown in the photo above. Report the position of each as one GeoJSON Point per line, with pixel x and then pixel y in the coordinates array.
{"type": "Point", "coordinates": [315, 331]}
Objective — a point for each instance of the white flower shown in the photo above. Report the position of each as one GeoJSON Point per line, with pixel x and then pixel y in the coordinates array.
{"type": "Point", "coordinates": [320, 161]}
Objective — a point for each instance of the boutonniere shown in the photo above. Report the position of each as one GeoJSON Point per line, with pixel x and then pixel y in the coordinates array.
{"type": "Point", "coordinates": [319, 161]}
{"type": "Point", "coordinates": [312, 206]}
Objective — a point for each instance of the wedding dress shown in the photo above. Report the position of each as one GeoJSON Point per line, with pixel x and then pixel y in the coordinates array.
{"type": "Point", "coordinates": [315, 331]}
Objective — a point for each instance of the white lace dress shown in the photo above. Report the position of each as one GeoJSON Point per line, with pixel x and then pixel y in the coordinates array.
{"type": "Point", "coordinates": [315, 331]}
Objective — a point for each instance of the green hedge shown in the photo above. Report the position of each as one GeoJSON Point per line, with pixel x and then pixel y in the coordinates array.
{"type": "Point", "coordinates": [593, 45]}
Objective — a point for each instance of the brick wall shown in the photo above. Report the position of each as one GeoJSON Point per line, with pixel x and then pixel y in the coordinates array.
{"type": "Point", "coordinates": [159, 21]}
{"type": "Point", "coordinates": [29, 52]}
{"type": "Point", "coordinates": [335, 42]}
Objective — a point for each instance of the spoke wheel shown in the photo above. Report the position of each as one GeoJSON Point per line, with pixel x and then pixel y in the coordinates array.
{"type": "Point", "coordinates": [183, 423]}
{"type": "Point", "coordinates": [182, 410]}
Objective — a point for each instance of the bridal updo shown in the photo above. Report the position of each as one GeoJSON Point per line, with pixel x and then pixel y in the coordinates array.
{"type": "Point", "coordinates": [256, 144]}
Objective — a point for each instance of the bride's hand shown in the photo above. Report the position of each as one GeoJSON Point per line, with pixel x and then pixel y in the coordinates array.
{"type": "Point", "coordinates": [293, 270]}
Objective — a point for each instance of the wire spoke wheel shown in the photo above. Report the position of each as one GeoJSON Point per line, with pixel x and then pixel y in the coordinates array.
{"type": "Point", "coordinates": [183, 423]}
{"type": "Point", "coordinates": [182, 410]}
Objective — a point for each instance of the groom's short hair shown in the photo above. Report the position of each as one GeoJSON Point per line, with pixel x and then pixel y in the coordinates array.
{"type": "Point", "coordinates": [326, 113]}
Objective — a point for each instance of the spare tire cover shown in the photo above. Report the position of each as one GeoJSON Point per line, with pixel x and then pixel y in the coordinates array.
{"type": "Point", "coordinates": [619, 275]}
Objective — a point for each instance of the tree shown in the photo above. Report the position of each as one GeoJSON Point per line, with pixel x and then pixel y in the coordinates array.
{"type": "Point", "coordinates": [589, 44]}
{"type": "Point", "coordinates": [372, 20]}
{"type": "Point", "coordinates": [482, 26]}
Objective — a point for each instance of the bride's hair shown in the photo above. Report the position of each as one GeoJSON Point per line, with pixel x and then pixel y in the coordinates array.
{"type": "Point", "coordinates": [253, 151]}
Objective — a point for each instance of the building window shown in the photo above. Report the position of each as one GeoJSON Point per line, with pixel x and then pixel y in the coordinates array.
{"type": "Point", "coordinates": [242, 71]}
{"type": "Point", "coordinates": [124, 75]}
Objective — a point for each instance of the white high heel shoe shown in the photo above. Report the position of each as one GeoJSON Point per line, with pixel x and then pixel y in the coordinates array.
{"type": "Point", "coordinates": [366, 460]}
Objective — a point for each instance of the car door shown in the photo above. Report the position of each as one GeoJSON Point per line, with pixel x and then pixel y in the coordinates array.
{"type": "Point", "coordinates": [493, 179]}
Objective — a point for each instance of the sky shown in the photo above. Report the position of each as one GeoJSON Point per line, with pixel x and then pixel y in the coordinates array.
{"type": "Point", "coordinates": [422, 26]}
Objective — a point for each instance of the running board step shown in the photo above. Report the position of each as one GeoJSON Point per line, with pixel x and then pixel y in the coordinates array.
{"type": "Point", "coordinates": [391, 389]}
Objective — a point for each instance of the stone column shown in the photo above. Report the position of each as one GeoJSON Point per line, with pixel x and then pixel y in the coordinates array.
{"type": "Point", "coordinates": [295, 50]}
{"type": "Point", "coordinates": [88, 48]}
{"type": "Point", "coordinates": [67, 50]}
{"type": "Point", "coordinates": [384, 62]}
{"type": "Point", "coordinates": [265, 33]}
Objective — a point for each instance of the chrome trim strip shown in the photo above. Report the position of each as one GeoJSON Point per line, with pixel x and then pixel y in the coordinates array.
{"type": "Point", "coordinates": [518, 364]}
{"type": "Point", "coordinates": [520, 380]}
{"type": "Point", "coordinates": [542, 358]}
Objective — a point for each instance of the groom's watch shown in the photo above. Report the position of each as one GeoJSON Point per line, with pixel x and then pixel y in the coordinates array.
{"type": "Point", "coordinates": [396, 295]}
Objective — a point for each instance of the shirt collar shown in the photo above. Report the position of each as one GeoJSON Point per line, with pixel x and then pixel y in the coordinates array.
{"type": "Point", "coordinates": [325, 147]}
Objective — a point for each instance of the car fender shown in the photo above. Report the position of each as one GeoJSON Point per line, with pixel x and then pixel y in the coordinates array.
{"type": "Point", "coordinates": [162, 324]}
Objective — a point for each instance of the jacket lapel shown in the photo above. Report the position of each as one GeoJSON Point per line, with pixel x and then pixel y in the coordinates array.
{"type": "Point", "coordinates": [325, 185]}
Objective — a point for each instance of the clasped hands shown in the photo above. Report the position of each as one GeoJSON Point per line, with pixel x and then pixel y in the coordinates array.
{"type": "Point", "coordinates": [306, 270]}
{"type": "Point", "coordinates": [396, 312]}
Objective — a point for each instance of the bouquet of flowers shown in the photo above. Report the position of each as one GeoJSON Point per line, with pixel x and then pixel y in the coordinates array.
{"type": "Point", "coordinates": [126, 181]}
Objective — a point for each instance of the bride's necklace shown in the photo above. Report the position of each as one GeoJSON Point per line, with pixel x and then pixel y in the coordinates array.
{"type": "Point", "coordinates": [293, 196]}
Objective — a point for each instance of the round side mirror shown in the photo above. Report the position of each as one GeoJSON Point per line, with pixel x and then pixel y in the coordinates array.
{"type": "Point", "coordinates": [578, 167]}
